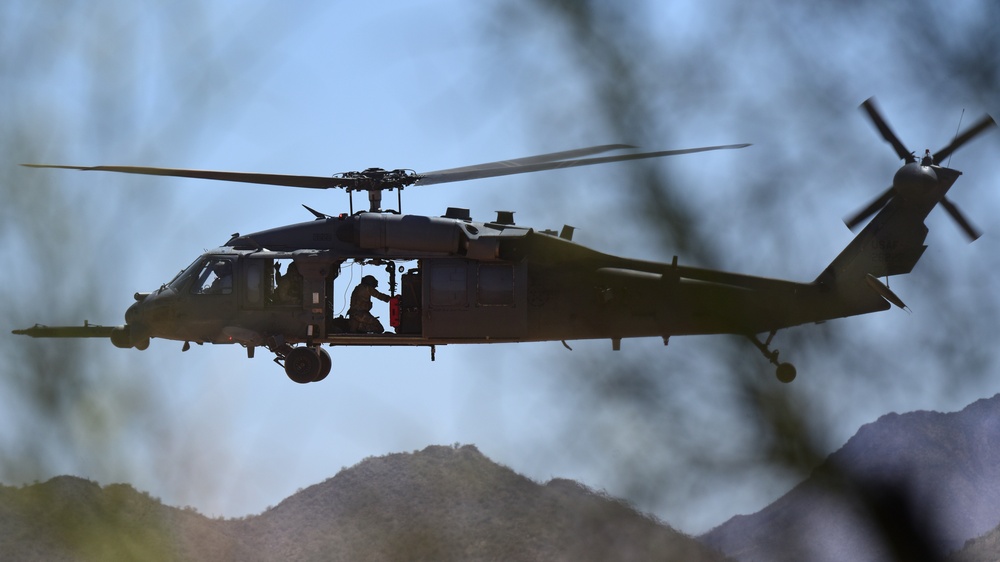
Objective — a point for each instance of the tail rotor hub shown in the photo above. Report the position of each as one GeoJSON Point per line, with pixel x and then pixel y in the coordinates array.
{"type": "Point", "coordinates": [919, 181]}
{"type": "Point", "coordinates": [915, 182]}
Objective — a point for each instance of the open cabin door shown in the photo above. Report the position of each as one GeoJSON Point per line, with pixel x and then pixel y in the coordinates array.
{"type": "Point", "coordinates": [288, 295]}
{"type": "Point", "coordinates": [470, 299]}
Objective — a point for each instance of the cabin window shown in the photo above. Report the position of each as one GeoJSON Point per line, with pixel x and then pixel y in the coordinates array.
{"type": "Point", "coordinates": [287, 283]}
{"type": "Point", "coordinates": [214, 278]}
{"type": "Point", "coordinates": [255, 278]}
{"type": "Point", "coordinates": [449, 284]}
{"type": "Point", "coordinates": [496, 285]}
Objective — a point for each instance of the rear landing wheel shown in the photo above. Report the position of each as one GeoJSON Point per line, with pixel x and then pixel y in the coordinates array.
{"type": "Point", "coordinates": [303, 364]}
{"type": "Point", "coordinates": [786, 372]}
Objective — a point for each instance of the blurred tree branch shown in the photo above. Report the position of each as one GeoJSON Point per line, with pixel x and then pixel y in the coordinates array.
{"type": "Point", "coordinates": [666, 424]}
{"type": "Point", "coordinates": [81, 82]}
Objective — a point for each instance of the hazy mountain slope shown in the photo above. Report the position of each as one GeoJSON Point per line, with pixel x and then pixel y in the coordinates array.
{"type": "Point", "coordinates": [68, 518]}
{"type": "Point", "coordinates": [445, 503]}
{"type": "Point", "coordinates": [442, 503]}
{"type": "Point", "coordinates": [929, 479]}
{"type": "Point", "coordinates": [983, 549]}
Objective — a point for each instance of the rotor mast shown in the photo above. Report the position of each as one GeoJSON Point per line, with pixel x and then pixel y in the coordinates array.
{"type": "Point", "coordinates": [376, 180]}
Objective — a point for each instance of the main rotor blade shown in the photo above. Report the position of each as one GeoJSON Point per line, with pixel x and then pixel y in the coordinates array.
{"type": "Point", "coordinates": [871, 209]}
{"type": "Point", "coordinates": [550, 157]}
{"type": "Point", "coordinates": [313, 182]}
{"type": "Point", "coordinates": [445, 176]}
{"type": "Point", "coordinates": [869, 106]}
{"type": "Point", "coordinates": [972, 232]}
{"type": "Point", "coordinates": [965, 137]}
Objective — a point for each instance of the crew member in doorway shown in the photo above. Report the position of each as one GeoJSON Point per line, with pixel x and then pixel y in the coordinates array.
{"type": "Point", "coordinates": [288, 287]}
{"type": "Point", "coordinates": [361, 319]}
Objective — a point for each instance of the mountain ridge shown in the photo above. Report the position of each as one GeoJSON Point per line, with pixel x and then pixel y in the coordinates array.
{"type": "Point", "coordinates": [441, 503]}
{"type": "Point", "coordinates": [929, 481]}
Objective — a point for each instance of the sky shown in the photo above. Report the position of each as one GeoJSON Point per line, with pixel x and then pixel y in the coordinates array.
{"type": "Point", "coordinates": [319, 88]}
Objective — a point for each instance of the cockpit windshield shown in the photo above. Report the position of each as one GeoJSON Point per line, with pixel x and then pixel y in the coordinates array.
{"type": "Point", "coordinates": [184, 274]}
{"type": "Point", "coordinates": [215, 278]}
{"type": "Point", "coordinates": [208, 275]}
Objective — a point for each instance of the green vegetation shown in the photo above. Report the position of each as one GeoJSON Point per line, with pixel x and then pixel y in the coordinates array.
{"type": "Point", "coordinates": [69, 518]}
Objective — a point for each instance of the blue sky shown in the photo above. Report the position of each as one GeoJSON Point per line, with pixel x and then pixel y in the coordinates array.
{"type": "Point", "coordinates": [324, 88]}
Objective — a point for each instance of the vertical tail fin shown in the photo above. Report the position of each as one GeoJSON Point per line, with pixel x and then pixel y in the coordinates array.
{"type": "Point", "coordinates": [891, 244]}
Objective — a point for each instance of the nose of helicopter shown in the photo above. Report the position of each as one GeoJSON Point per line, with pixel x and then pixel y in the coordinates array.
{"type": "Point", "coordinates": [136, 331]}
{"type": "Point", "coordinates": [134, 313]}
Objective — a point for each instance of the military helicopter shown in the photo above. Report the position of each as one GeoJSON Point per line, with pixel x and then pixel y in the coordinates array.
{"type": "Point", "coordinates": [466, 281]}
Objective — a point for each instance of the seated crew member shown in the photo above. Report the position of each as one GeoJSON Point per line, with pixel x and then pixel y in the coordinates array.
{"type": "Point", "coordinates": [360, 316]}
{"type": "Point", "coordinates": [217, 279]}
{"type": "Point", "coordinates": [288, 287]}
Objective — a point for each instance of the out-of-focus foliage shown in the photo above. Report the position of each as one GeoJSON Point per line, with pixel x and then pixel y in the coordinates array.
{"type": "Point", "coordinates": [82, 82]}
{"type": "Point", "coordinates": [690, 424]}
{"type": "Point", "coordinates": [695, 422]}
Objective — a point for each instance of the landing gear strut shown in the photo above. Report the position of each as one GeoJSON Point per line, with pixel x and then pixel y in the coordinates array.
{"type": "Point", "coordinates": [785, 371]}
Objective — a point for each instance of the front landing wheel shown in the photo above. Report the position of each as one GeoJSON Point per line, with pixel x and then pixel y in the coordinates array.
{"type": "Point", "coordinates": [786, 372]}
{"type": "Point", "coordinates": [303, 364]}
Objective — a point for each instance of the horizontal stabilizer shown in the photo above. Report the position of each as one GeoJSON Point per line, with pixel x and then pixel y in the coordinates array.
{"type": "Point", "coordinates": [884, 291]}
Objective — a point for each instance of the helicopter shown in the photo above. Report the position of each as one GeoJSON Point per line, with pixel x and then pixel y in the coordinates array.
{"type": "Point", "coordinates": [455, 280]}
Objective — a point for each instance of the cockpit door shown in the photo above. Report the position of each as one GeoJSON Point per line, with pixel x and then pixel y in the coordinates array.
{"type": "Point", "coordinates": [256, 281]}
{"type": "Point", "coordinates": [207, 296]}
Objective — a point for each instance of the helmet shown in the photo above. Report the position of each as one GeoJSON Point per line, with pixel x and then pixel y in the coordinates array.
{"type": "Point", "coordinates": [369, 280]}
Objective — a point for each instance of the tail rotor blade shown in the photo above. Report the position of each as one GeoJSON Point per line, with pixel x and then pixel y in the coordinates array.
{"type": "Point", "coordinates": [972, 132]}
{"type": "Point", "coordinates": [972, 232]}
{"type": "Point", "coordinates": [869, 106]}
{"type": "Point", "coordinates": [969, 134]}
{"type": "Point", "coordinates": [870, 210]}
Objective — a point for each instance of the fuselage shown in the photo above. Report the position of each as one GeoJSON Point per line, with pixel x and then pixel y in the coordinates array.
{"type": "Point", "coordinates": [459, 281]}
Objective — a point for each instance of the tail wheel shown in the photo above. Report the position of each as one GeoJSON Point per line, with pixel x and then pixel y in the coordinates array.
{"type": "Point", "coordinates": [786, 372]}
{"type": "Point", "coordinates": [303, 365]}
{"type": "Point", "coordinates": [325, 364]}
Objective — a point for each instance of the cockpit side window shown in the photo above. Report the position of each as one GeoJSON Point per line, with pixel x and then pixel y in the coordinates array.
{"type": "Point", "coordinates": [214, 278]}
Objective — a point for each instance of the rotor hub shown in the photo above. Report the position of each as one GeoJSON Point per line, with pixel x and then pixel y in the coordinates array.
{"type": "Point", "coordinates": [376, 180]}
{"type": "Point", "coordinates": [914, 181]}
